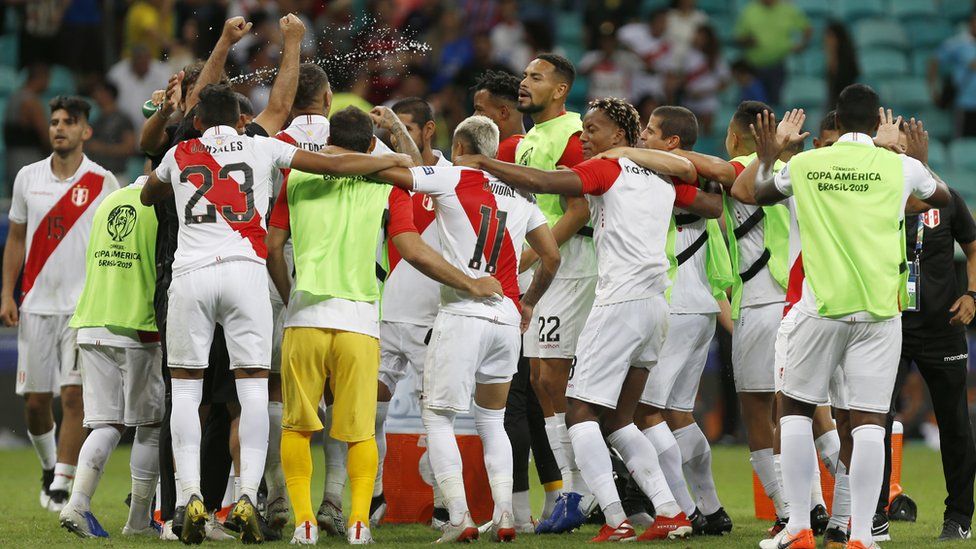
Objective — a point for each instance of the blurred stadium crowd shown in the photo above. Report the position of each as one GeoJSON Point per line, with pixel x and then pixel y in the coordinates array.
{"type": "Point", "coordinates": [707, 55]}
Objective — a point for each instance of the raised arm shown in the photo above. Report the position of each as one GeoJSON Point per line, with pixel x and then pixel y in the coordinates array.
{"type": "Point", "coordinates": [273, 117]}
{"type": "Point", "coordinates": [347, 163]}
{"type": "Point", "coordinates": [235, 28]}
{"type": "Point", "coordinates": [662, 162]}
{"type": "Point", "coordinates": [744, 188]}
{"type": "Point", "coordinates": [543, 243]}
{"type": "Point", "coordinates": [768, 149]}
{"type": "Point", "coordinates": [384, 118]}
{"type": "Point", "coordinates": [277, 267]}
{"type": "Point", "coordinates": [524, 178]}
{"type": "Point", "coordinates": [416, 252]}
{"type": "Point", "coordinates": [13, 261]}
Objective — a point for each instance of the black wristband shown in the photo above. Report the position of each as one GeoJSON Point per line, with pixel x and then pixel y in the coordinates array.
{"type": "Point", "coordinates": [972, 294]}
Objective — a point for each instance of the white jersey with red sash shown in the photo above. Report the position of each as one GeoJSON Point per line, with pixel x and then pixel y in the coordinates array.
{"type": "Point", "coordinates": [481, 222]}
{"type": "Point", "coordinates": [58, 214]}
{"type": "Point", "coordinates": [222, 187]}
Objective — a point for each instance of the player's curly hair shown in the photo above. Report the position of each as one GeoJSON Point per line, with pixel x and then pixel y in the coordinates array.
{"type": "Point", "coordinates": [623, 114]}
{"type": "Point", "coordinates": [500, 84]}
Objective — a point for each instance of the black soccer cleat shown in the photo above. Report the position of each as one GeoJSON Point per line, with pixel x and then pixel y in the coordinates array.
{"type": "Point", "coordinates": [195, 518]}
{"type": "Point", "coordinates": [377, 509]}
{"type": "Point", "coordinates": [718, 523]}
{"type": "Point", "coordinates": [879, 530]}
{"type": "Point", "coordinates": [245, 517]}
{"type": "Point", "coordinates": [953, 531]}
{"type": "Point", "coordinates": [777, 526]}
{"type": "Point", "coordinates": [835, 538]}
{"type": "Point", "coordinates": [819, 519]}
{"type": "Point", "coordinates": [698, 522]}
{"type": "Point", "coordinates": [178, 515]}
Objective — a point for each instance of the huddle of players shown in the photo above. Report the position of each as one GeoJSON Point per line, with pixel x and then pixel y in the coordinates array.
{"type": "Point", "coordinates": [642, 224]}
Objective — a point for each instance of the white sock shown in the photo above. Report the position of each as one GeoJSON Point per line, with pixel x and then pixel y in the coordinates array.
{"type": "Point", "coordinates": [828, 448]}
{"type": "Point", "coordinates": [556, 445]}
{"type": "Point", "coordinates": [92, 458]}
{"type": "Point", "coordinates": [382, 408]}
{"type": "Point", "coordinates": [576, 481]}
{"type": "Point", "coordinates": [551, 497]}
{"type": "Point", "coordinates": [438, 496]}
{"type": "Point", "coordinates": [816, 490]}
{"type": "Point", "coordinates": [185, 428]}
{"type": "Point", "coordinates": [64, 474]}
{"type": "Point", "coordinates": [840, 512]}
{"type": "Point", "coordinates": [490, 425]}
{"type": "Point", "coordinates": [522, 507]}
{"type": "Point", "coordinates": [798, 457]}
{"type": "Point", "coordinates": [274, 477]}
{"type": "Point", "coordinates": [867, 473]}
{"type": "Point", "coordinates": [46, 448]}
{"type": "Point", "coordinates": [237, 487]}
{"type": "Point", "coordinates": [778, 468]}
{"type": "Point", "coordinates": [764, 464]}
{"type": "Point", "coordinates": [669, 456]}
{"type": "Point", "coordinates": [641, 459]}
{"type": "Point", "coordinates": [596, 468]}
{"type": "Point", "coordinates": [697, 456]}
{"type": "Point", "coordinates": [335, 463]}
{"type": "Point", "coordinates": [144, 468]}
{"type": "Point", "coordinates": [231, 490]}
{"type": "Point", "coordinates": [252, 393]}
{"type": "Point", "coordinates": [445, 460]}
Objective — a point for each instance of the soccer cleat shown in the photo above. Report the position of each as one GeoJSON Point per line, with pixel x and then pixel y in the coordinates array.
{"type": "Point", "coordinates": [545, 525]}
{"type": "Point", "coordinates": [777, 527]}
{"type": "Point", "coordinates": [640, 519]}
{"type": "Point", "coordinates": [167, 533]}
{"type": "Point", "coordinates": [195, 517]}
{"type": "Point", "coordinates": [819, 519]}
{"type": "Point", "coordinates": [624, 532]}
{"type": "Point", "coordinates": [306, 533]}
{"type": "Point", "coordinates": [784, 540]}
{"type": "Point", "coordinates": [880, 529]}
{"type": "Point", "coordinates": [698, 522]}
{"type": "Point", "coordinates": [177, 521]}
{"type": "Point", "coordinates": [676, 527]}
{"type": "Point", "coordinates": [245, 519]}
{"type": "Point", "coordinates": [835, 538]}
{"type": "Point", "coordinates": [47, 477]}
{"type": "Point", "coordinates": [504, 530]}
{"type": "Point", "coordinates": [718, 523]}
{"type": "Point", "coordinates": [81, 523]}
{"type": "Point", "coordinates": [330, 519]}
{"type": "Point", "coordinates": [277, 512]}
{"type": "Point", "coordinates": [526, 527]}
{"type": "Point", "coordinates": [153, 528]}
{"type": "Point", "coordinates": [570, 519]}
{"type": "Point", "coordinates": [858, 545]}
{"type": "Point", "coordinates": [220, 531]}
{"type": "Point", "coordinates": [58, 499]}
{"type": "Point", "coordinates": [359, 534]}
{"type": "Point", "coordinates": [463, 532]}
{"type": "Point", "coordinates": [440, 518]}
{"type": "Point", "coordinates": [377, 509]}
{"type": "Point", "coordinates": [952, 531]}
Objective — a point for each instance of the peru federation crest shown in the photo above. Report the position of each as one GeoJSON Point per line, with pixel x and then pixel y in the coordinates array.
{"type": "Point", "coordinates": [931, 218]}
{"type": "Point", "coordinates": [79, 196]}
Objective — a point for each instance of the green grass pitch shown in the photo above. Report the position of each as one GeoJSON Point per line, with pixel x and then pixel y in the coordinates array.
{"type": "Point", "coordinates": [24, 524]}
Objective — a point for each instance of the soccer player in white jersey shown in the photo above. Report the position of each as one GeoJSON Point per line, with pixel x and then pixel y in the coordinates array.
{"type": "Point", "coordinates": [410, 299]}
{"type": "Point", "coordinates": [222, 184]}
{"type": "Point", "coordinates": [624, 332]}
{"type": "Point", "coordinates": [853, 321]}
{"type": "Point", "coordinates": [665, 410]}
{"type": "Point", "coordinates": [50, 220]}
{"type": "Point", "coordinates": [474, 346]}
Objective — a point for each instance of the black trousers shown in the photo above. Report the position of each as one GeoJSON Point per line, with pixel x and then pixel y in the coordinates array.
{"type": "Point", "coordinates": [526, 428]}
{"type": "Point", "coordinates": [943, 365]}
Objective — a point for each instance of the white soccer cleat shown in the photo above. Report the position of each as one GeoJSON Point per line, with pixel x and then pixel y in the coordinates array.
{"type": "Point", "coordinates": [81, 523]}
{"type": "Point", "coordinates": [167, 533]}
{"type": "Point", "coordinates": [504, 530]}
{"type": "Point", "coordinates": [773, 542]}
{"type": "Point", "coordinates": [526, 527]}
{"type": "Point", "coordinates": [465, 531]}
{"type": "Point", "coordinates": [359, 534]}
{"type": "Point", "coordinates": [307, 533]}
{"type": "Point", "coordinates": [216, 531]}
{"type": "Point", "coordinates": [330, 519]}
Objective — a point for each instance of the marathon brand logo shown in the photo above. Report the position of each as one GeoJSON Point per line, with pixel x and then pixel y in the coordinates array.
{"type": "Point", "coordinates": [842, 179]}
{"type": "Point", "coordinates": [954, 358]}
{"type": "Point", "coordinates": [637, 170]}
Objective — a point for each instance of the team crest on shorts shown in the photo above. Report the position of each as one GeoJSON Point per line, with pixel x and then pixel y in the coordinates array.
{"type": "Point", "coordinates": [79, 196]}
{"type": "Point", "coordinates": [930, 218]}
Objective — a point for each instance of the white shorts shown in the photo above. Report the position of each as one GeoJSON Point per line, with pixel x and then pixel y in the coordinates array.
{"type": "Point", "coordinates": [673, 383]}
{"type": "Point", "coordinates": [866, 352]}
{"type": "Point", "coordinates": [560, 316]}
{"type": "Point", "coordinates": [753, 348]}
{"type": "Point", "coordinates": [616, 338]}
{"type": "Point", "coordinates": [233, 294]}
{"type": "Point", "coordinates": [122, 385]}
{"type": "Point", "coordinates": [837, 391]}
{"type": "Point", "coordinates": [403, 348]}
{"type": "Point", "coordinates": [465, 350]}
{"type": "Point", "coordinates": [277, 333]}
{"type": "Point", "coordinates": [47, 354]}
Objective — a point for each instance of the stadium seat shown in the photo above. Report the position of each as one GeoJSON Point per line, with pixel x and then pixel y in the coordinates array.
{"type": "Point", "coordinates": [880, 32]}
{"type": "Point", "coordinates": [9, 49]}
{"type": "Point", "coordinates": [62, 81]}
{"type": "Point", "coordinates": [569, 27]}
{"type": "Point", "coordinates": [810, 62]}
{"type": "Point", "coordinates": [814, 9]}
{"type": "Point", "coordinates": [909, 94]}
{"type": "Point", "coordinates": [9, 81]}
{"type": "Point", "coordinates": [920, 61]}
{"type": "Point", "coordinates": [649, 6]}
{"type": "Point", "coordinates": [853, 10]}
{"type": "Point", "coordinates": [711, 7]}
{"type": "Point", "coordinates": [805, 92]}
{"type": "Point", "coordinates": [880, 62]}
{"type": "Point", "coordinates": [577, 94]}
{"type": "Point", "coordinates": [937, 156]}
{"type": "Point", "coordinates": [963, 182]}
{"type": "Point", "coordinates": [937, 122]}
{"type": "Point", "coordinates": [962, 155]}
{"type": "Point", "coordinates": [955, 10]}
{"type": "Point", "coordinates": [910, 9]}
{"type": "Point", "coordinates": [927, 32]}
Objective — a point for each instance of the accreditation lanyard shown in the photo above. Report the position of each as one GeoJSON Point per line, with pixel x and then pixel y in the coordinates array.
{"type": "Point", "coordinates": [914, 269]}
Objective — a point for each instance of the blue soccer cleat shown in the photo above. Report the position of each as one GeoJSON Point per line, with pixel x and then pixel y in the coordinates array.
{"type": "Point", "coordinates": [566, 517]}
{"type": "Point", "coordinates": [545, 525]}
{"type": "Point", "coordinates": [81, 523]}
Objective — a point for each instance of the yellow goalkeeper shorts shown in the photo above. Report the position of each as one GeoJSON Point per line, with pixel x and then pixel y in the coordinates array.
{"type": "Point", "coordinates": [349, 362]}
